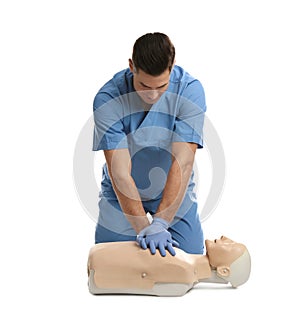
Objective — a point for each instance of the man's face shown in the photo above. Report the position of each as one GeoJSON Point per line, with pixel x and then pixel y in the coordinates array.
{"type": "Point", "coordinates": [148, 87]}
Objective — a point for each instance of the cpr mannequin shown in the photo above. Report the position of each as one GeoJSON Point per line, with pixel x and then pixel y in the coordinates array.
{"type": "Point", "coordinates": [125, 268]}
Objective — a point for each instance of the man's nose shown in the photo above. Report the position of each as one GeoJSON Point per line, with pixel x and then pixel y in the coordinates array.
{"type": "Point", "coordinates": [153, 94]}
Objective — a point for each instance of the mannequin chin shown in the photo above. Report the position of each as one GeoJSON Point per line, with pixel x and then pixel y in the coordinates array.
{"type": "Point", "coordinates": [125, 268]}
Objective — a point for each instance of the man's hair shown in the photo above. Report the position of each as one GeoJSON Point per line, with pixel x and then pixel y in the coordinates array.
{"type": "Point", "coordinates": [153, 53]}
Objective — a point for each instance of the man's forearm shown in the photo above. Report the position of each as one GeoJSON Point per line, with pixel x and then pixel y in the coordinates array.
{"type": "Point", "coordinates": [175, 189]}
{"type": "Point", "coordinates": [119, 168]}
{"type": "Point", "coordinates": [130, 202]}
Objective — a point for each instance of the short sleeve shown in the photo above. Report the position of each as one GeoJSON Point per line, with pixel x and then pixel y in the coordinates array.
{"type": "Point", "coordinates": [190, 115]}
{"type": "Point", "coordinates": [108, 123]}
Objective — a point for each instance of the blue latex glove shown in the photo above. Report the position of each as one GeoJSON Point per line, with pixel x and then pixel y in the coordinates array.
{"type": "Point", "coordinates": [156, 236]}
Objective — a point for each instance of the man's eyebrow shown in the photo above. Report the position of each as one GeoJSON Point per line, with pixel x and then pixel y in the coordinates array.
{"type": "Point", "coordinates": [162, 86]}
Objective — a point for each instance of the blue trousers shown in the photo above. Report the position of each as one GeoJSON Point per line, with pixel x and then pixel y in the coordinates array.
{"type": "Point", "coordinates": [186, 227]}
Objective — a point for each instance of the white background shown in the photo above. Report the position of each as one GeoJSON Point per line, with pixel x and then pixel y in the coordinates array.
{"type": "Point", "coordinates": [55, 55]}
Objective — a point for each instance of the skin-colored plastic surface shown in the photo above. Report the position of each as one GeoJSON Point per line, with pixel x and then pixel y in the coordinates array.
{"type": "Point", "coordinates": [123, 267]}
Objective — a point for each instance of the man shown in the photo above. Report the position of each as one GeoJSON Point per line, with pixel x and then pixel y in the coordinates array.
{"type": "Point", "coordinates": [149, 120]}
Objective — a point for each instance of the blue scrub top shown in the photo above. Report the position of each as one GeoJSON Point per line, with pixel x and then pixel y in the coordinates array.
{"type": "Point", "coordinates": [121, 122]}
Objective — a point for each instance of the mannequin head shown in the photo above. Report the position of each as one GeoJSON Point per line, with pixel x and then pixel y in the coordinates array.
{"type": "Point", "coordinates": [231, 260]}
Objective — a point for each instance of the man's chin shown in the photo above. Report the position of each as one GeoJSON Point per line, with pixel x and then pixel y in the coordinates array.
{"type": "Point", "coordinates": [150, 101]}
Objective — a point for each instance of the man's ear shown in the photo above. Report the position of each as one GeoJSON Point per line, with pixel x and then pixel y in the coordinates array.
{"type": "Point", "coordinates": [174, 63]}
{"type": "Point", "coordinates": [131, 67]}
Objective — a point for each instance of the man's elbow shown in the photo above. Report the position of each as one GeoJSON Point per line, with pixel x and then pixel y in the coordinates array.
{"type": "Point", "coordinates": [186, 166]}
{"type": "Point", "coordinates": [120, 176]}
{"type": "Point", "coordinates": [184, 155]}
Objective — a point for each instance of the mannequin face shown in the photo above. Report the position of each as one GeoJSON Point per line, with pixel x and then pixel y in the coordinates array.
{"type": "Point", "coordinates": [221, 245]}
{"type": "Point", "coordinates": [223, 251]}
{"type": "Point", "coordinates": [149, 88]}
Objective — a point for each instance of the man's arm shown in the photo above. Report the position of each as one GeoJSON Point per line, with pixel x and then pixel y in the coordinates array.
{"type": "Point", "coordinates": [119, 168]}
{"type": "Point", "coordinates": [183, 155]}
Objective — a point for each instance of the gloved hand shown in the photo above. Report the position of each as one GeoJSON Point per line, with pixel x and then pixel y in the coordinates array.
{"type": "Point", "coordinates": [156, 236]}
